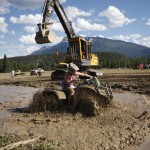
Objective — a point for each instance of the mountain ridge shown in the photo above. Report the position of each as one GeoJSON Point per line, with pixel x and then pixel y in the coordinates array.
{"type": "Point", "coordinates": [100, 44]}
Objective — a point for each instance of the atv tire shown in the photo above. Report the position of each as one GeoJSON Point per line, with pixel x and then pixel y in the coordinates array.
{"type": "Point", "coordinates": [86, 102]}
{"type": "Point", "coordinates": [44, 101]}
{"type": "Point", "coordinates": [51, 102]}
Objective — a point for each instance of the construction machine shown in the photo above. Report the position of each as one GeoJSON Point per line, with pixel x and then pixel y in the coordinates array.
{"type": "Point", "coordinates": [79, 51]}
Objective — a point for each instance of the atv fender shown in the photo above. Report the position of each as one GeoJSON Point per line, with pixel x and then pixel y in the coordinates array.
{"type": "Point", "coordinates": [59, 94]}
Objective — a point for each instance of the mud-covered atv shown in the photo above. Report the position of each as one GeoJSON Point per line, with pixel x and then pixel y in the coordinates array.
{"type": "Point", "coordinates": [89, 98]}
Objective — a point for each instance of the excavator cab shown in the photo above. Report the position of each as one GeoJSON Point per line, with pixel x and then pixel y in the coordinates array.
{"type": "Point", "coordinates": [45, 35]}
{"type": "Point", "coordinates": [80, 52]}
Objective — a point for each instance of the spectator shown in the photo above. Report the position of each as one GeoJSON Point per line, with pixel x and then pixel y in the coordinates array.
{"type": "Point", "coordinates": [12, 73]}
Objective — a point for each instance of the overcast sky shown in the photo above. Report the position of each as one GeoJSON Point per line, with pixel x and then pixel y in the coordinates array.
{"type": "Point", "coordinates": [127, 20]}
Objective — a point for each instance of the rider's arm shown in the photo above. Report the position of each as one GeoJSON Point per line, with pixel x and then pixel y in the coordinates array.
{"type": "Point", "coordinates": [83, 74]}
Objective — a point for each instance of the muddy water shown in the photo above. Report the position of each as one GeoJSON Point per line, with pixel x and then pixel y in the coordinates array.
{"type": "Point", "coordinates": [127, 97]}
{"type": "Point", "coordinates": [21, 93]}
{"type": "Point", "coordinates": [15, 93]}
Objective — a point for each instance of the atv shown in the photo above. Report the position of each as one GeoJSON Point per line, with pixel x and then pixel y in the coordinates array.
{"type": "Point", "coordinates": [90, 96]}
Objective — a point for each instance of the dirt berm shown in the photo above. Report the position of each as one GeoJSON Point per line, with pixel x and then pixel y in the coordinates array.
{"type": "Point", "coordinates": [123, 126]}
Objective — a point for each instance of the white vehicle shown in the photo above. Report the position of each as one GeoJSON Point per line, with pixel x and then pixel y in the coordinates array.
{"type": "Point", "coordinates": [37, 72]}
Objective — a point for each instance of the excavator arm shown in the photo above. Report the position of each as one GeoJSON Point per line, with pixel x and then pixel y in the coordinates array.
{"type": "Point", "coordinates": [67, 25]}
{"type": "Point", "coordinates": [45, 34]}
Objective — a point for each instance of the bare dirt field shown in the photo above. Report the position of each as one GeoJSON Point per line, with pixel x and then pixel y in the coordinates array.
{"type": "Point", "coordinates": [123, 126]}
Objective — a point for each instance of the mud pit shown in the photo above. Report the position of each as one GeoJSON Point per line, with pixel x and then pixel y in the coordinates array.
{"type": "Point", "coordinates": [123, 126]}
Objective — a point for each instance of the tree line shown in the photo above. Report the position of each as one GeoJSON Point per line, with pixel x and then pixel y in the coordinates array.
{"type": "Point", "coordinates": [47, 61]}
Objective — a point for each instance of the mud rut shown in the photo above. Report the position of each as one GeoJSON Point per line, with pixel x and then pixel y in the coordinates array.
{"type": "Point", "coordinates": [118, 127]}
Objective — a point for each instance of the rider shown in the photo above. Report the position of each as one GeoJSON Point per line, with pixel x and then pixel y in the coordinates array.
{"type": "Point", "coordinates": [69, 78]}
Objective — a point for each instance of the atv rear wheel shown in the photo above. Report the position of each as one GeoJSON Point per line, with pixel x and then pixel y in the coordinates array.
{"type": "Point", "coordinates": [45, 101]}
{"type": "Point", "coordinates": [51, 102]}
{"type": "Point", "coordinates": [37, 104]}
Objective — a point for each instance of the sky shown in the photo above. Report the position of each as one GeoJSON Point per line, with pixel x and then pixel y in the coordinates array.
{"type": "Point", "coordinates": [127, 20]}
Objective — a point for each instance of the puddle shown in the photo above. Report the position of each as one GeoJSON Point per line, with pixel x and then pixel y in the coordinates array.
{"type": "Point", "coordinates": [127, 97]}
{"type": "Point", "coordinates": [15, 93]}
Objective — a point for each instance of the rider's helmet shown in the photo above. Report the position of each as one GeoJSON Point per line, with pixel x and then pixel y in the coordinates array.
{"type": "Point", "coordinates": [73, 67]}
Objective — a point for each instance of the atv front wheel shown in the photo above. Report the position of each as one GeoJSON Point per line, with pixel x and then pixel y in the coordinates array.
{"type": "Point", "coordinates": [86, 101]}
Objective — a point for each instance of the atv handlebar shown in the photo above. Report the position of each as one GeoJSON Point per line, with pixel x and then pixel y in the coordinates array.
{"type": "Point", "coordinates": [93, 80]}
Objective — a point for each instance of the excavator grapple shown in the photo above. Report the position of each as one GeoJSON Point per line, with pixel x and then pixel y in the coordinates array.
{"type": "Point", "coordinates": [45, 36]}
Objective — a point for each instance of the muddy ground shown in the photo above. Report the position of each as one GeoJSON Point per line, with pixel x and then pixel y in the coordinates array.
{"type": "Point", "coordinates": [123, 126]}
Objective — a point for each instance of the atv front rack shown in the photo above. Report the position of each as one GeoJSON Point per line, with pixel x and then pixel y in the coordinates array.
{"type": "Point", "coordinates": [105, 91]}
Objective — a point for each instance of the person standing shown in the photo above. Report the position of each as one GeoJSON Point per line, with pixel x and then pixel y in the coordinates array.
{"type": "Point", "coordinates": [12, 73]}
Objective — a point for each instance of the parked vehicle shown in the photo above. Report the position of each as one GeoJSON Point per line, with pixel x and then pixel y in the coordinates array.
{"type": "Point", "coordinates": [140, 66]}
{"type": "Point", "coordinates": [37, 72]}
{"type": "Point", "coordinates": [18, 72]}
{"type": "Point", "coordinates": [147, 66]}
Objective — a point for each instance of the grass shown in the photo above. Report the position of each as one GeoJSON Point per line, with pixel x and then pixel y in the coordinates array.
{"type": "Point", "coordinates": [108, 71]}
{"type": "Point", "coordinates": [27, 74]}
{"type": "Point", "coordinates": [40, 144]}
{"type": "Point", "coordinates": [126, 71]}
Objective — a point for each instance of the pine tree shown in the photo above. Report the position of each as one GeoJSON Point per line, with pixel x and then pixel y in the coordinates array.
{"type": "Point", "coordinates": [5, 64]}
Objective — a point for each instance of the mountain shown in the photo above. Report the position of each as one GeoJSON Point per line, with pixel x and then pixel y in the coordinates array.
{"type": "Point", "coordinates": [102, 45]}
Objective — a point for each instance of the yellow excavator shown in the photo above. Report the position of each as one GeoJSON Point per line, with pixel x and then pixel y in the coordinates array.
{"type": "Point", "coordinates": [79, 51]}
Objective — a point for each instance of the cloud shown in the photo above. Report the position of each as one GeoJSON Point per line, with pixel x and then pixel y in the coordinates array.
{"type": "Point", "coordinates": [148, 22]}
{"type": "Point", "coordinates": [27, 39]}
{"type": "Point", "coordinates": [4, 3]}
{"type": "Point", "coordinates": [30, 49]}
{"type": "Point", "coordinates": [57, 27]}
{"type": "Point", "coordinates": [30, 29]}
{"type": "Point", "coordinates": [1, 36]}
{"type": "Point", "coordinates": [63, 1]}
{"type": "Point", "coordinates": [26, 19]}
{"type": "Point", "coordinates": [2, 42]}
{"type": "Point", "coordinates": [24, 4]}
{"type": "Point", "coordinates": [73, 12]}
{"type": "Point", "coordinates": [101, 36]}
{"type": "Point", "coordinates": [3, 25]}
{"type": "Point", "coordinates": [13, 32]}
{"type": "Point", "coordinates": [4, 10]}
{"type": "Point", "coordinates": [145, 41]}
{"type": "Point", "coordinates": [85, 25]}
{"type": "Point", "coordinates": [134, 38]}
{"type": "Point", "coordinates": [115, 17]}
{"type": "Point", "coordinates": [12, 50]}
